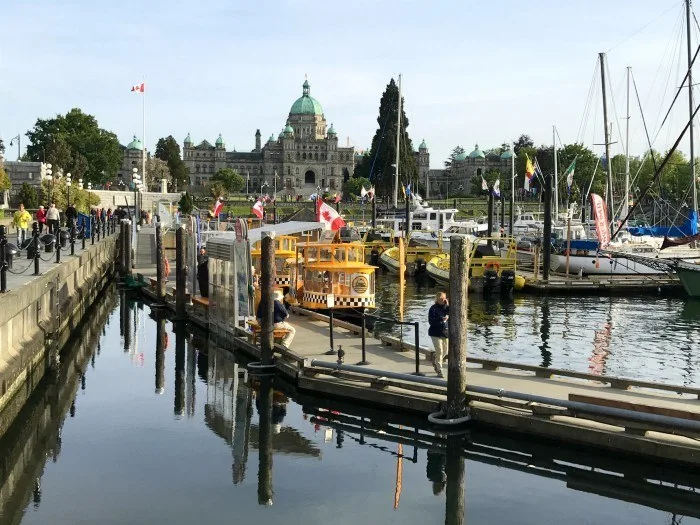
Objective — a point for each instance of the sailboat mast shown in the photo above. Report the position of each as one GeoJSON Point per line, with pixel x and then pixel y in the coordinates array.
{"type": "Point", "coordinates": [398, 145]}
{"type": "Point", "coordinates": [556, 173]}
{"type": "Point", "coordinates": [690, 105]}
{"type": "Point", "coordinates": [611, 204]}
{"type": "Point", "coordinates": [625, 204]}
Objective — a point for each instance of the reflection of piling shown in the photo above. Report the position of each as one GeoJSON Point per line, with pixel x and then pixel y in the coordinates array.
{"type": "Point", "coordinates": [126, 239]}
{"type": "Point", "coordinates": [454, 493]}
{"type": "Point", "coordinates": [160, 352]}
{"type": "Point", "coordinates": [457, 325]}
{"type": "Point", "coordinates": [265, 450]}
{"type": "Point", "coordinates": [126, 322]}
{"type": "Point", "coordinates": [160, 264]}
{"type": "Point", "coordinates": [179, 369]}
{"type": "Point", "coordinates": [180, 274]}
{"type": "Point", "coordinates": [267, 276]}
{"type": "Point", "coordinates": [241, 443]}
{"type": "Point", "coordinates": [191, 378]}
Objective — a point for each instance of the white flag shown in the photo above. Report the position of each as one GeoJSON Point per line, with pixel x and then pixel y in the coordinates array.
{"type": "Point", "coordinates": [363, 192]}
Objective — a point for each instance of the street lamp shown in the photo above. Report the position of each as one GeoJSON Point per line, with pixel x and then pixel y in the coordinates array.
{"type": "Point", "coordinates": [89, 186]}
{"type": "Point", "coordinates": [262, 187]}
{"type": "Point", "coordinates": [136, 180]}
{"type": "Point", "coordinates": [80, 184]}
{"type": "Point", "coordinates": [461, 188]}
{"type": "Point", "coordinates": [69, 180]}
{"type": "Point", "coordinates": [49, 177]}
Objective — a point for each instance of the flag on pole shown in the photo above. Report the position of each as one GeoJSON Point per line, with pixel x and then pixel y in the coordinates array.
{"type": "Point", "coordinates": [371, 192]}
{"type": "Point", "coordinates": [218, 206]}
{"type": "Point", "coordinates": [139, 88]}
{"type": "Point", "coordinates": [337, 198]}
{"type": "Point", "coordinates": [258, 209]}
{"type": "Point", "coordinates": [570, 174]}
{"type": "Point", "coordinates": [484, 184]}
{"type": "Point", "coordinates": [328, 216]}
{"type": "Point", "coordinates": [600, 216]}
{"type": "Point", "coordinates": [408, 190]}
{"type": "Point", "coordinates": [363, 192]}
{"type": "Point", "coordinates": [497, 189]}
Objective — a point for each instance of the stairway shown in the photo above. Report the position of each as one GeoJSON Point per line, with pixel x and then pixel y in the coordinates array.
{"type": "Point", "coordinates": [146, 248]}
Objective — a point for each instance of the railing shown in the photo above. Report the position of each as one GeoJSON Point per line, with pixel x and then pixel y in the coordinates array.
{"type": "Point", "coordinates": [416, 335]}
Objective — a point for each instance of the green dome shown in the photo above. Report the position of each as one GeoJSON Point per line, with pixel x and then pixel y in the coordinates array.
{"type": "Point", "coordinates": [423, 145]}
{"type": "Point", "coordinates": [135, 144]}
{"type": "Point", "coordinates": [272, 138]}
{"type": "Point", "coordinates": [188, 140]}
{"type": "Point", "coordinates": [331, 130]}
{"type": "Point", "coordinates": [477, 153]}
{"type": "Point", "coordinates": [306, 105]}
{"type": "Point", "coordinates": [460, 156]}
{"type": "Point", "coordinates": [220, 140]}
{"type": "Point", "coordinates": [289, 129]}
{"type": "Point", "coordinates": [507, 154]}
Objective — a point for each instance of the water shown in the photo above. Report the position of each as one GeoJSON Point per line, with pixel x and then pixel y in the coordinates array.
{"type": "Point", "coordinates": [644, 337]}
{"type": "Point", "coordinates": [131, 434]}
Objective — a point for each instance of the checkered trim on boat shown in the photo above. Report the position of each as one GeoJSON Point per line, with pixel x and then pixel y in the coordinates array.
{"type": "Point", "coordinates": [283, 280]}
{"type": "Point", "coordinates": [340, 301]}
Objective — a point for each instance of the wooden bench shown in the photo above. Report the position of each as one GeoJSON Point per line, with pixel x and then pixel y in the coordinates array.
{"type": "Point", "coordinates": [202, 302]}
{"type": "Point", "coordinates": [277, 334]}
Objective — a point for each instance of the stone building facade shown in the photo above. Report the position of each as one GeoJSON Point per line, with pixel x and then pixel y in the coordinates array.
{"type": "Point", "coordinates": [464, 168]}
{"type": "Point", "coordinates": [303, 157]}
{"type": "Point", "coordinates": [132, 159]}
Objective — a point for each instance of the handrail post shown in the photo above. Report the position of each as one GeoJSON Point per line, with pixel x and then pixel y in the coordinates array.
{"type": "Point", "coordinates": [72, 239]}
{"type": "Point", "coordinates": [92, 230]}
{"type": "Point", "coordinates": [35, 240]}
{"type": "Point", "coordinates": [417, 343]}
{"type": "Point", "coordinates": [364, 361]}
{"type": "Point", "coordinates": [3, 259]}
{"type": "Point", "coordinates": [58, 244]}
{"type": "Point", "coordinates": [331, 351]}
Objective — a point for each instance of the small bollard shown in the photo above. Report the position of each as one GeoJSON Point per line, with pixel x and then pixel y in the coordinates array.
{"type": "Point", "coordinates": [341, 355]}
{"type": "Point", "coordinates": [331, 351]}
{"type": "Point", "coordinates": [58, 244]}
{"type": "Point", "coordinates": [364, 361]}
{"type": "Point", "coordinates": [3, 259]}
{"type": "Point", "coordinates": [35, 240]}
{"type": "Point", "coordinates": [72, 240]}
{"type": "Point", "coordinates": [417, 345]}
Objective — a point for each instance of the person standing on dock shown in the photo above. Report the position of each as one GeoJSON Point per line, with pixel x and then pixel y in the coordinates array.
{"type": "Point", "coordinates": [437, 319]}
{"type": "Point", "coordinates": [41, 218]}
{"type": "Point", "coordinates": [52, 218]}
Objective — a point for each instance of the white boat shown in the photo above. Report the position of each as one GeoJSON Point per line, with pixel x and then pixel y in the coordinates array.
{"type": "Point", "coordinates": [594, 264]}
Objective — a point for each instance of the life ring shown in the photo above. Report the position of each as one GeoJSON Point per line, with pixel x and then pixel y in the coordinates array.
{"type": "Point", "coordinates": [493, 264]}
{"type": "Point", "coordinates": [167, 267]}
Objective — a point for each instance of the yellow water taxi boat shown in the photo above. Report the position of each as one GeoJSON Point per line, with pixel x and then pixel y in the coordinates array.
{"type": "Point", "coordinates": [417, 254]}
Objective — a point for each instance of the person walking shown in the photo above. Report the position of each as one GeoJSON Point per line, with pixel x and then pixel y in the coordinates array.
{"type": "Point", "coordinates": [41, 218]}
{"type": "Point", "coordinates": [71, 216]}
{"type": "Point", "coordinates": [280, 318]}
{"type": "Point", "coordinates": [52, 219]}
{"type": "Point", "coordinates": [438, 316]}
{"type": "Point", "coordinates": [21, 221]}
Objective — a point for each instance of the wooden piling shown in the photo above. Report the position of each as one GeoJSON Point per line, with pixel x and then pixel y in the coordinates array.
{"type": "Point", "coordinates": [457, 326]}
{"type": "Point", "coordinates": [160, 264]}
{"type": "Point", "coordinates": [180, 275]}
{"type": "Point", "coordinates": [267, 281]}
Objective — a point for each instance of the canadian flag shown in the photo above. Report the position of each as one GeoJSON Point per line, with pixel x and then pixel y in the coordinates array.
{"type": "Point", "coordinates": [139, 88]}
{"type": "Point", "coordinates": [328, 216]}
{"type": "Point", "coordinates": [218, 206]}
{"type": "Point", "coordinates": [258, 209]}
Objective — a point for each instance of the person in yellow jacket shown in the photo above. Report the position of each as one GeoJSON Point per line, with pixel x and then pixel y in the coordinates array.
{"type": "Point", "coordinates": [22, 218]}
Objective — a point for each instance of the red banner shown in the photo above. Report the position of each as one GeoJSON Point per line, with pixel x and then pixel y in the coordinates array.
{"type": "Point", "coordinates": [600, 215]}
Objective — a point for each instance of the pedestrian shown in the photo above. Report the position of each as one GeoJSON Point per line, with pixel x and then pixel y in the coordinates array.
{"type": "Point", "coordinates": [203, 272]}
{"type": "Point", "coordinates": [279, 318]}
{"type": "Point", "coordinates": [52, 218]}
{"type": "Point", "coordinates": [21, 221]}
{"type": "Point", "coordinates": [71, 216]}
{"type": "Point", "coordinates": [438, 316]}
{"type": "Point", "coordinates": [41, 218]}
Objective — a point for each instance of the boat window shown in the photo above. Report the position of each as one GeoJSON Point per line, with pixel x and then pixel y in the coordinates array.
{"type": "Point", "coordinates": [339, 255]}
{"type": "Point", "coordinates": [310, 253]}
{"type": "Point", "coordinates": [433, 216]}
{"type": "Point", "coordinates": [353, 255]}
{"type": "Point", "coordinates": [325, 255]}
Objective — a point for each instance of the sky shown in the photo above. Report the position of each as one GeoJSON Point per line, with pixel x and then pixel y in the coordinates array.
{"type": "Point", "coordinates": [473, 72]}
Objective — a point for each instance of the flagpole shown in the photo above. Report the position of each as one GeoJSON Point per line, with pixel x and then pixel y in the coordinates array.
{"type": "Point", "coordinates": [511, 217]}
{"type": "Point", "coordinates": [143, 150]}
{"type": "Point", "coordinates": [556, 173]}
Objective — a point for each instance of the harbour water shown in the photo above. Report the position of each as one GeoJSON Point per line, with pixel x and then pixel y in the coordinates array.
{"type": "Point", "coordinates": [160, 426]}
{"type": "Point", "coordinates": [645, 337]}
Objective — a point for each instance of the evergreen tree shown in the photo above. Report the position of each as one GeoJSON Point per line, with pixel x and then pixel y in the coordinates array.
{"type": "Point", "coordinates": [458, 150]}
{"type": "Point", "coordinates": [28, 196]}
{"type": "Point", "coordinates": [377, 166]}
{"type": "Point", "coordinates": [168, 149]}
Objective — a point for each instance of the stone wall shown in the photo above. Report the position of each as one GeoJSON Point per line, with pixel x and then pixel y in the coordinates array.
{"type": "Point", "coordinates": [36, 318]}
{"type": "Point", "coordinates": [112, 199]}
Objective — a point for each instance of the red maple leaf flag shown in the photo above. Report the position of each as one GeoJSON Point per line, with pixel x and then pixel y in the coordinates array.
{"type": "Point", "coordinates": [139, 88]}
{"type": "Point", "coordinates": [329, 216]}
{"type": "Point", "coordinates": [258, 209]}
{"type": "Point", "coordinates": [218, 206]}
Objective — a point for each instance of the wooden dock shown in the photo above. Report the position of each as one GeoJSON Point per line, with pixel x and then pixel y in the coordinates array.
{"type": "Point", "coordinates": [601, 284]}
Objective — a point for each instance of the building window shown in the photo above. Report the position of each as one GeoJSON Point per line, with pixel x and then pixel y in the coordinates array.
{"type": "Point", "coordinates": [197, 168]}
{"type": "Point", "coordinates": [288, 184]}
{"type": "Point", "coordinates": [211, 168]}
{"type": "Point", "coordinates": [323, 172]}
{"type": "Point", "coordinates": [310, 177]}
{"type": "Point", "coordinates": [296, 171]}
{"type": "Point", "coordinates": [332, 170]}
{"type": "Point", "coordinates": [316, 156]}
{"type": "Point", "coordinates": [289, 170]}
{"type": "Point", "coordinates": [332, 182]}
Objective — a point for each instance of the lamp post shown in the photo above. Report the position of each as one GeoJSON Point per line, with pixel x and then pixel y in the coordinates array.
{"type": "Point", "coordinates": [461, 188]}
{"type": "Point", "coordinates": [136, 180]}
{"type": "Point", "coordinates": [49, 177]}
{"type": "Point", "coordinates": [69, 181]}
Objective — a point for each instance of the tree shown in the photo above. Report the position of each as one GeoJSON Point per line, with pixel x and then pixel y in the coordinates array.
{"type": "Point", "coordinates": [186, 203]}
{"type": "Point", "coordinates": [230, 180]}
{"type": "Point", "coordinates": [490, 177]}
{"type": "Point", "coordinates": [5, 182]}
{"type": "Point", "coordinates": [353, 186]}
{"type": "Point", "coordinates": [377, 167]}
{"type": "Point", "coordinates": [71, 138]}
{"type": "Point", "coordinates": [28, 196]}
{"type": "Point", "coordinates": [524, 141]}
{"type": "Point", "coordinates": [2, 147]}
{"type": "Point", "coordinates": [168, 149]}
{"type": "Point", "coordinates": [458, 150]}
{"type": "Point", "coordinates": [156, 169]}
{"type": "Point", "coordinates": [216, 189]}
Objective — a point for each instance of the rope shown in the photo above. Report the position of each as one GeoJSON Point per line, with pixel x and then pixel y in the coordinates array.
{"type": "Point", "coordinates": [642, 28]}
{"type": "Point", "coordinates": [22, 271]}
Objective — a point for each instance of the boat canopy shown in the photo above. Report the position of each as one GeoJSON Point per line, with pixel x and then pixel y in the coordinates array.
{"type": "Point", "coordinates": [688, 229]}
{"type": "Point", "coordinates": [285, 228]}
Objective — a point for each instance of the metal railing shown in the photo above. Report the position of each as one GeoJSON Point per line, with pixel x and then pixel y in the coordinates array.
{"type": "Point", "coordinates": [416, 335]}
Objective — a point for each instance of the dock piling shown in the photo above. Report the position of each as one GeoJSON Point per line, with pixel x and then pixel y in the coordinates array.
{"type": "Point", "coordinates": [267, 282]}
{"type": "Point", "coordinates": [456, 406]}
{"type": "Point", "coordinates": [160, 263]}
{"type": "Point", "coordinates": [330, 326]}
{"type": "Point", "coordinates": [126, 232]}
{"type": "Point", "coordinates": [547, 234]}
{"type": "Point", "coordinates": [180, 274]}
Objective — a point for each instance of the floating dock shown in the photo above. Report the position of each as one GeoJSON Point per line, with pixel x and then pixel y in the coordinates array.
{"type": "Point", "coordinates": [601, 284]}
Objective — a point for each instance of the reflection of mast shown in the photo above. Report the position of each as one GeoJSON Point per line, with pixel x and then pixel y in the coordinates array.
{"type": "Point", "coordinates": [544, 331]}
{"type": "Point", "coordinates": [454, 501]}
{"type": "Point", "coordinates": [179, 369]}
{"type": "Point", "coordinates": [160, 353]}
{"type": "Point", "coordinates": [399, 476]}
{"type": "Point", "coordinates": [601, 346]}
{"type": "Point", "coordinates": [265, 445]}
{"type": "Point", "coordinates": [191, 378]}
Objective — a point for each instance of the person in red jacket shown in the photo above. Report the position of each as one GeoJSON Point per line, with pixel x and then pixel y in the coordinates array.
{"type": "Point", "coordinates": [41, 218]}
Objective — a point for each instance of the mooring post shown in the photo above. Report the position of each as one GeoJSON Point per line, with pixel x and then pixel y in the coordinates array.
{"type": "Point", "coordinates": [416, 342]}
{"type": "Point", "coordinates": [330, 325]}
{"type": "Point", "coordinates": [454, 490]}
{"type": "Point", "coordinates": [364, 337]}
{"type": "Point", "coordinates": [35, 241]}
{"type": "Point", "coordinates": [265, 446]}
{"type": "Point", "coordinates": [267, 281]}
{"type": "Point", "coordinates": [160, 263]}
{"type": "Point", "coordinates": [180, 274]}
{"type": "Point", "coordinates": [457, 329]}
{"type": "Point", "coordinates": [58, 244]}
{"type": "Point", "coordinates": [161, 336]}
{"type": "Point", "coordinates": [3, 259]}
{"type": "Point", "coordinates": [72, 239]}
{"type": "Point", "coordinates": [122, 247]}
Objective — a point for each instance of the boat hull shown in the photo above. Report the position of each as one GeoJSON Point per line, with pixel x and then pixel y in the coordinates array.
{"type": "Point", "coordinates": [689, 276]}
{"type": "Point", "coordinates": [592, 265]}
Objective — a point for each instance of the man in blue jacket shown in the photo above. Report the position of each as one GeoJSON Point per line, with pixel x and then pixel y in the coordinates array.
{"type": "Point", "coordinates": [437, 319]}
{"type": "Point", "coordinates": [280, 318]}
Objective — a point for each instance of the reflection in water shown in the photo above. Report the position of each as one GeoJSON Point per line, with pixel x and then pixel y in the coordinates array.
{"type": "Point", "coordinates": [180, 336]}
{"type": "Point", "coordinates": [161, 346]}
{"type": "Point", "coordinates": [265, 442]}
{"type": "Point", "coordinates": [601, 346]}
{"type": "Point", "coordinates": [454, 506]}
{"type": "Point", "coordinates": [544, 333]}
